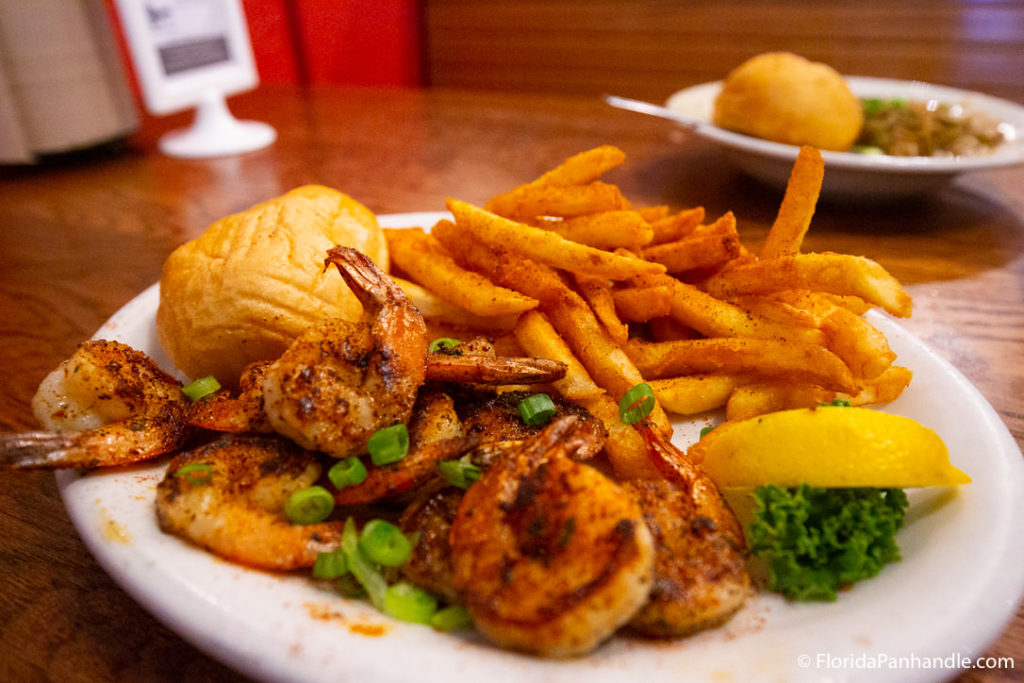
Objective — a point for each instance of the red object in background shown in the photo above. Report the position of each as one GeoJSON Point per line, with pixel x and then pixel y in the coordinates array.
{"type": "Point", "coordinates": [352, 42]}
{"type": "Point", "coordinates": [307, 42]}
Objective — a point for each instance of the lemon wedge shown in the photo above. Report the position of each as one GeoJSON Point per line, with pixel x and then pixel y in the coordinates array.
{"type": "Point", "coordinates": [828, 447]}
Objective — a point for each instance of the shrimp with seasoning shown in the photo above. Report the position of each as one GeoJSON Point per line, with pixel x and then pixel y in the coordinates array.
{"type": "Point", "coordinates": [228, 496]}
{"type": "Point", "coordinates": [339, 382]}
{"type": "Point", "coordinates": [548, 555]}
{"type": "Point", "coordinates": [106, 405]}
{"type": "Point", "coordinates": [700, 577]}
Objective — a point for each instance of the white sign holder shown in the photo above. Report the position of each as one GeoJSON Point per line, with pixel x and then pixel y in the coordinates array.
{"type": "Point", "coordinates": [193, 54]}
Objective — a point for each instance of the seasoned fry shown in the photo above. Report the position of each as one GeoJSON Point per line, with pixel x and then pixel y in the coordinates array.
{"type": "Point", "coordinates": [583, 167]}
{"type": "Point", "coordinates": [654, 213]}
{"type": "Point", "coordinates": [529, 201]}
{"type": "Point", "coordinates": [598, 293]}
{"type": "Point", "coordinates": [694, 394]}
{"type": "Point", "coordinates": [624, 446]}
{"type": "Point", "coordinates": [428, 263]}
{"type": "Point", "coordinates": [672, 228]}
{"type": "Point", "coordinates": [829, 272]}
{"type": "Point", "coordinates": [641, 304]}
{"type": "Point", "coordinates": [435, 308]}
{"type": "Point", "coordinates": [545, 246]}
{"type": "Point", "coordinates": [807, 363]}
{"type": "Point", "coordinates": [794, 217]}
{"type": "Point", "coordinates": [605, 360]}
{"type": "Point", "coordinates": [714, 317]}
{"type": "Point", "coordinates": [705, 247]}
{"type": "Point", "coordinates": [606, 230]}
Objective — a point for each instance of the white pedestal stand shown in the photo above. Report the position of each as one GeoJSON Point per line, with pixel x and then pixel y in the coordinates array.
{"type": "Point", "coordinates": [216, 132]}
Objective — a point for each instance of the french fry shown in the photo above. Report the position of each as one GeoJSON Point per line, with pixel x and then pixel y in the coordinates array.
{"type": "Point", "coordinates": [768, 397]}
{"type": "Point", "coordinates": [653, 213]}
{"type": "Point", "coordinates": [672, 228]}
{"type": "Point", "coordinates": [625, 448]}
{"type": "Point", "coordinates": [605, 360]}
{"type": "Point", "coordinates": [435, 308]}
{"type": "Point", "coordinates": [841, 274]}
{"type": "Point", "coordinates": [606, 230]}
{"type": "Point", "coordinates": [794, 217]}
{"type": "Point", "coordinates": [584, 167]}
{"type": "Point", "coordinates": [640, 304]}
{"type": "Point", "coordinates": [695, 394]}
{"type": "Point", "coordinates": [598, 293]}
{"type": "Point", "coordinates": [705, 247]}
{"type": "Point", "coordinates": [544, 246]}
{"type": "Point", "coordinates": [528, 201]}
{"type": "Point", "coordinates": [427, 262]}
{"type": "Point", "coordinates": [806, 363]}
{"type": "Point", "coordinates": [715, 317]}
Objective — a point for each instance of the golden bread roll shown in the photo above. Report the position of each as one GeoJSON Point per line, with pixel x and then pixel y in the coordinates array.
{"type": "Point", "coordinates": [783, 97]}
{"type": "Point", "coordinates": [253, 281]}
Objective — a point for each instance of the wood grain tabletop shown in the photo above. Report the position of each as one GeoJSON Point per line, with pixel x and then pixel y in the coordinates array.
{"type": "Point", "coordinates": [80, 236]}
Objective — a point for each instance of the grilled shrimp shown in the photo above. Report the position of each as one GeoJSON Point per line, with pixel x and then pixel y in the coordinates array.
{"type": "Point", "coordinates": [700, 578]}
{"type": "Point", "coordinates": [231, 502]}
{"type": "Point", "coordinates": [435, 434]}
{"type": "Point", "coordinates": [225, 411]}
{"type": "Point", "coordinates": [549, 555]}
{"type": "Point", "coordinates": [106, 405]}
{"type": "Point", "coordinates": [429, 519]}
{"type": "Point", "coordinates": [339, 381]}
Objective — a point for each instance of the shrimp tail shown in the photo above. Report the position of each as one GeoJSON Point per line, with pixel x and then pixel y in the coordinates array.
{"type": "Point", "coordinates": [363, 276]}
{"type": "Point", "coordinates": [38, 450]}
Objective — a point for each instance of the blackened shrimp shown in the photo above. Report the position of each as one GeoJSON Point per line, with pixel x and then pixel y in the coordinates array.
{"type": "Point", "coordinates": [549, 555]}
{"type": "Point", "coordinates": [106, 405]}
{"type": "Point", "coordinates": [228, 497]}
{"type": "Point", "coordinates": [339, 382]}
{"type": "Point", "coordinates": [700, 578]}
{"type": "Point", "coordinates": [227, 411]}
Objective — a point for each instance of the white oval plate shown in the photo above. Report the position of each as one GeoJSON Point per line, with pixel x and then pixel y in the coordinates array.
{"type": "Point", "coordinates": [852, 175]}
{"type": "Point", "coordinates": [960, 579]}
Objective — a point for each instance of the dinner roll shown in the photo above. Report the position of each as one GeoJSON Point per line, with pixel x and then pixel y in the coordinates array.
{"type": "Point", "coordinates": [783, 97]}
{"type": "Point", "coordinates": [255, 280]}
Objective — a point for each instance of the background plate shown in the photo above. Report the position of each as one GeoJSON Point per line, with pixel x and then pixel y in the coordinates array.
{"type": "Point", "coordinates": [958, 584]}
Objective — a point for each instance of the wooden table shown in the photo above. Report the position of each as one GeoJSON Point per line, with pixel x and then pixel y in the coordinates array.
{"type": "Point", "coordinates": [79, 238]}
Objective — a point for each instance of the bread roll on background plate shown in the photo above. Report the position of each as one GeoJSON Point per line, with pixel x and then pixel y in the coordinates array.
{"type": "Point", "coordinates": [253, 281]}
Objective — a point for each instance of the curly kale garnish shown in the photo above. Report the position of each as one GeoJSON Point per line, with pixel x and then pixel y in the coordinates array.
{"type": "Point", "coordinates": [817, 540]}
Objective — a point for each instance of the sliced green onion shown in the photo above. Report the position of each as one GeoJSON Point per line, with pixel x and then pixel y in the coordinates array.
{"type": "Point", "coordinates": [459, 472]}
{"type": "Point", "coordinates": [349, 587]}
{"type": "Point", "coordinates": [443, 344]}
{"type": "Point", "coordinates": [389, 444]}
{"type": "Point", "coordinates": [188, 471]}
{"type": "Point", "coordinates": [200, 387]}
{"type": "Point", "coordinates": [838, 403]}
{"type": "Point", "coordinates": [384, 543]}
{"type": "Point", "coordinates": [451, 618]}
{"type": "Point", "coordinates": [366, 574]}
{"type": "Point", "coordinates": [309, 505]}
{"type": "Point", "coordinates": [537, 409]}
{"type": "Point", "coordinates": [704, 431]}
{"type": "Point", "coordinates": [636, 404]}
{"type": "Point", "coordinates": [330, 565]}
{"type": "Point", "coordinates": [406, 602]}
{"type": "Point", "coordinates": [347, 472]}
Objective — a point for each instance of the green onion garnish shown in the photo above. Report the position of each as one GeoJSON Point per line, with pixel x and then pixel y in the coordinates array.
{"type": "Point", "coordinates": [451, 618]}
{"type": "Point", "coordinates": [366, 574]}
{"type": "Point", "coordinates": [188, 471]}
{"type": "Point", "coordinates": [838, 403]}
{"type": "Point", "coordinates": [406, 602]}
{"type": "Point", "coordinates": [636, 404]}
{"type": "Point", "coordinates": [330, 565]}
{"type": "Point", "coordinates": [704, 431]}
{"type": "Point", "coordinates": [309, 505]}
{"type": "Point", "coordinates": [384, 543]}
{"type": "Point", "coordinates": [200, 387]}
{"type": "Point", "coordinates": [537, 409]}
{"type": "Point", "coordinates": [443, 344]}
{"type": "Point", "coordinates": [347, 472]}
{"type": "Point", "coordinates": [389, 444]}
{"type": "Point", "coordinates": [459, 472]}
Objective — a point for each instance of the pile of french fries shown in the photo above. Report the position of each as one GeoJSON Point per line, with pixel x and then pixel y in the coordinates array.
{"type": "Point", "coordinates": [573, 272]}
